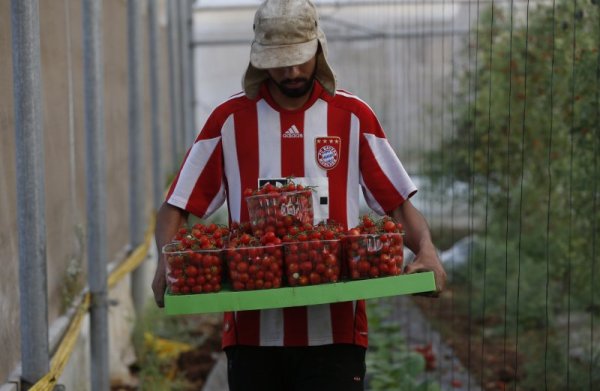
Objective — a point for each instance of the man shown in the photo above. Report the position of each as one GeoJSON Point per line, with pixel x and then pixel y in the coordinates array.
{"type": "Point", "coordinates": [291, 121]}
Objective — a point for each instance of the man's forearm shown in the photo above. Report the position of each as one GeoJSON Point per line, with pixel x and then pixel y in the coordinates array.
{"type": "Point", "coordinates": [418, 239]}
{"type": "Point", "coordinates": [168, 220]}
{"type": "Point", "coordinates": [417, 232]}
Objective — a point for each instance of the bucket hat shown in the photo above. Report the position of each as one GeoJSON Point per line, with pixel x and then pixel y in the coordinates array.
{"type": "Point", "coordinates": [286, 33]}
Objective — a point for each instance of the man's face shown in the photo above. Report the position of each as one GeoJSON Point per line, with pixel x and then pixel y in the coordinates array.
{"type": "Point", "coordinates": [294, 81]}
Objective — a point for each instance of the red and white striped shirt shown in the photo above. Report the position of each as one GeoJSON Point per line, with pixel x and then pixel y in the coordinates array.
{"type": "Point", "coordinates": [334, 142]}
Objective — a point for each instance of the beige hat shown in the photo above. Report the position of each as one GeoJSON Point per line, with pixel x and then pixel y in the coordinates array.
{"type": "Point", "coordinates": [286, 33]}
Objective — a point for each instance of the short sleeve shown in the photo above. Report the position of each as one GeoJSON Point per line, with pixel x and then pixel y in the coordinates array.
{"type": "Point", "coordinates": [199, 187]}
{"type": "Point", "coordinates": [385, 182]}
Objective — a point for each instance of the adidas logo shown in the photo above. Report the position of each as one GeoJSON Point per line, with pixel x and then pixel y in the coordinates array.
{"type": "Point", "coordinates": [292, 132]}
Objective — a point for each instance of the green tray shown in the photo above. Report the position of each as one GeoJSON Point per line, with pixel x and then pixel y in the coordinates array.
{"type": "Point", "coordinates": [227, 300]}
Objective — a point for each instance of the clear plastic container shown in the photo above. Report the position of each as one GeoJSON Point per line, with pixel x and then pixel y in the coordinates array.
{"type": "Point", "coordinates": [313, 262]}
{"type": "Point", "coordinates": [279, 211]}
{"type": "Point", "coordinates": [374, 255]}
{"type": "Point", "coordinates": [192, 271]}
{"type": "Point", "coordinates": [257, 267]}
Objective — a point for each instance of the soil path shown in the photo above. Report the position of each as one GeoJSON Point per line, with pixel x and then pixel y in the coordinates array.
{"type": "Point", "coordinates": [447, 370]}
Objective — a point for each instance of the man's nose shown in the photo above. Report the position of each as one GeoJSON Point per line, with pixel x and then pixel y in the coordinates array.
{"type": "Point", "coordinates": [292, 72]}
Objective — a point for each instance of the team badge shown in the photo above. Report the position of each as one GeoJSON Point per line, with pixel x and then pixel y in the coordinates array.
{"type": "Point", "coordinates": [327, 151]}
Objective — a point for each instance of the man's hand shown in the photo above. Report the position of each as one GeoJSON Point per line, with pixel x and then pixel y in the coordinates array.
{"type": "Point", "coordinates": [168, 221]}
{"type": "Point", "coordinates": [418, 239]}
{"type": "Point", "coordinates": [159, 283]}
{"type": "Point", "coordinates": [427, 260]}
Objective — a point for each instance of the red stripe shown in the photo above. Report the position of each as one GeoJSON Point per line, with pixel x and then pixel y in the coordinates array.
{"type": "Point", "coordinates": [208, 184]}
{"type": "Point", "coordinates": [229, 332]}
{"type": "Point", "coordinates": [342, 320]}
{"type": "Point", "coordinates": [292, 148]}
{"type": "Point", "coordinates": [246, 139]}
{"type": "Point", "coordinates": [295, 326]}
{"type": "Point", "coordinates": [375, 179]}
{"type": "Point", "coordinates": [361, 328]}
{"type": "Point", "coordinates": [338, 124]}
{"type": "Point", "coordinates": [248, 327]}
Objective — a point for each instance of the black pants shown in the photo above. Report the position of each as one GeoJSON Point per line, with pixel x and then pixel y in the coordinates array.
{"type": "Point", "coordinates": [311, 368]}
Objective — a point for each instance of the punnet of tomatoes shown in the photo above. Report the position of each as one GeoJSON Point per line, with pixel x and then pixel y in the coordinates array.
{"type": "Point", "coordinates": [254, 263]}
{"type": "Point", "coordinates": [201, 236]}
{"type": "Point", "coordinates": [313, 256]}
{"type": "Point", "coordinates": [374, 249]}
{"type": "Point", "coordinates": [193, 260]}
{"type": "Point", "coordinates": [278, 209]}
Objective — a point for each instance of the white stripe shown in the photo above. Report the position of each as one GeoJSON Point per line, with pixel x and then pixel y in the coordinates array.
{"type": "Point", "coordinates": [271, 327]}
{"type": "Point", "coordinates": [232, 168]}
{"type": "Point", "coordinates": [371, 201]}
{"type": "Point", "coordinates": [390, 165]}
{"type": "Point", "coordinates": [192, 169]}
{"type": "Point", "coordinates": [348, 95]}
{"type": "Point", "coordinates": [315, 125]}
{"type": "Point", "coordinates": [269, 141]}
{"type": "Point", "coordinates": [216, 202]}
{"type": "Point", "coordinates": [319, 324]}
{"type": "Point", "coordinates": [352, 186]}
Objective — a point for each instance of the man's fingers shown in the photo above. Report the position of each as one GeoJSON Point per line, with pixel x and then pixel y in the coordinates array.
{"type": "Point", "coordinates": [159, 297]}
{"type": "Point", "coordinates": [158, 288]}
{"type": "Point", "coordinates": [417, 268]}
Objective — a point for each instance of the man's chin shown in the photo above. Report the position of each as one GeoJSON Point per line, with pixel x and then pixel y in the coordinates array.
{"type": "Point", "coordinates": [295, 92]}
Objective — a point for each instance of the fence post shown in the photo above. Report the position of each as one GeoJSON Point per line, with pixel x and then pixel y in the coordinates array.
{"type": "Point", "coordinates": [157, 171]}
{"type": "Point", "coordinates": [31, 214]}
{"type": "Point", "coordinates": [136, 172]}
{"type": "Point", "coordinates": [95, 147]}
{"type": "Point", "coordinates": [174, 84]}
{"type": "Point", "coordinates": [184, 42]}
{"type": "Point", "coordinates": [192, 69]}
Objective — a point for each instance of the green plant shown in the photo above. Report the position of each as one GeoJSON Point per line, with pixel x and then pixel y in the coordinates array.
{"type": "Point", "coordinates": [527, 132]}
{"type": "Point", "coordinates": [390, 364]}
{"type": "Point", "coordinates": [73, 281]}
{"type": "Point", "coordinates": [156, 371]}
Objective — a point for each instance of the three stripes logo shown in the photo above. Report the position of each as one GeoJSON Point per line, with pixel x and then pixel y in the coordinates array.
{"type": "Point", "coordinates": [292, 132]}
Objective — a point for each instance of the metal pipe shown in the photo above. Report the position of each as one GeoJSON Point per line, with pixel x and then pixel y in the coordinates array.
{"type": "Point", "coordinates": [136, 171]}
{"type": "Point", "coordinates": [186, 91]}
{"type": "Point", "coordinates": [95, 147]}
{"type": "Point", "coordinates": [174, 95]}
{"type": "Point", "coordinates": [321, 5]}
{"type": "Point", "coordinates": [31, 213]}
{"type": "Point", "coordinates": [345, 38]}
{"type": "Point", "coordinates": [157, 172]}
{"type": "Point", "coordinates": [192, 69]}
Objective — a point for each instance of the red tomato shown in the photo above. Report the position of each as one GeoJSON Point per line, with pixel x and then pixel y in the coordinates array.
{"type": "Point", "coordinates": [242, 267]}
{"type": "Point", "coordinates": [197, 289]}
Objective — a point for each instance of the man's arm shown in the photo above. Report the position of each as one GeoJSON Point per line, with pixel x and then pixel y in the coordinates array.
{"type": "Point", "coordinates": [168, 221]}
{"type": "Point", "coordinates": [418, 239]}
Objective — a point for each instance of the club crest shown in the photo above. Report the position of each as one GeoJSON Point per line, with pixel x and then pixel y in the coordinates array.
{"type": "Point", "coordinates": [328, 151]}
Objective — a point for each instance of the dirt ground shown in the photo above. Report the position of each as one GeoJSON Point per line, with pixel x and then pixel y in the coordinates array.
{"type": "Point", "coordinates": [193, 366]}
{"type": "Point", "coordinates": [197, 364]}
{"type": "Point", "coordinates": [495, 362]}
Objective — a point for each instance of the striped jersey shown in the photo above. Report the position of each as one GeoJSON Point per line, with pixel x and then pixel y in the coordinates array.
{"type": "Point", "coordinates": [333, 142]}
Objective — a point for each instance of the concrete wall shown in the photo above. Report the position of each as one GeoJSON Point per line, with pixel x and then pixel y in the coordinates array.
{"type": "Point", "coordinates": [64, 147]}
